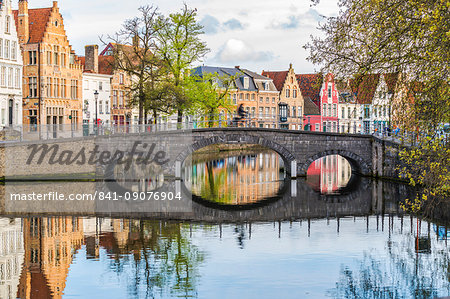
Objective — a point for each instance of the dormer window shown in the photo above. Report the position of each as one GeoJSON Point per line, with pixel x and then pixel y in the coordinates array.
{"type": "Point", "coordinates": [56, 23]}
{"type": "Point", "coordinates": [246, 82]}
{"type": "Point", "coordinates": [266, 85]}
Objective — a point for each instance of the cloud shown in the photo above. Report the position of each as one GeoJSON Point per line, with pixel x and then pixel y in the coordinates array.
{"type": "Point", "coordinates": [233, 24]}
{"type": "Point", "coordinates": [210, 24]}
{"type": "Point", "coordinates": [235, 50]}
{"type": "Point", "coordinates": [310, 18]}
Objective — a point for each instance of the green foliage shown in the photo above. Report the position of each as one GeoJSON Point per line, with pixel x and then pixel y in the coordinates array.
{"type": "Point", "coordinates": [410, 38]}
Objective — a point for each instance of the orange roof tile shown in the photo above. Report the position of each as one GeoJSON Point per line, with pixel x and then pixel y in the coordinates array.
{"type": "Point", "coordinates": [278, 78]}
{"type": "Point", "coordinates": [37, 20]}
{"type": "Point", "coordinates": [310, 85]}
{"type": "Point", "coordinates": [105, 64]}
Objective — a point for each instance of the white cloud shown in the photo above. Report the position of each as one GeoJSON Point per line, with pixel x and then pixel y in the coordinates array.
{"type": "Point", "coordinates": [235, 50]}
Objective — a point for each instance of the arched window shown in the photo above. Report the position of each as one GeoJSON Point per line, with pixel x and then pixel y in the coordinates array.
{"type": "Point", "coordinates": [288, 92]}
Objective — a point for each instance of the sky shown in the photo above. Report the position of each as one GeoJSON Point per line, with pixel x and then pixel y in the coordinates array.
{"type": "Point", "coordinates": [254, 34]}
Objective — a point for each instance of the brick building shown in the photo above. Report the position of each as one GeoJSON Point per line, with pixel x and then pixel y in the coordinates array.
{"type": "Point", "coordinates": [290, 95]}
{"type": "Point", "coordinates": [52, 74]}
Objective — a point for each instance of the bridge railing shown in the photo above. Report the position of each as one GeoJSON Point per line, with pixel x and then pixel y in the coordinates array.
{"type": "Point", "coordinates": [258, 120]}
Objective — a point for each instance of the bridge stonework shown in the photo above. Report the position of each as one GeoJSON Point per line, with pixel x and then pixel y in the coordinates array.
{"type": "Point", "coordinates": [367, 155]}
{"type": "Point", "coordinates": [302, 147]}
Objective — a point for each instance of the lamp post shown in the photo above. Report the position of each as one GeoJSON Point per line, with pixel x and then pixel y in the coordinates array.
{"type": "Point", "coordinates": [96, 118]}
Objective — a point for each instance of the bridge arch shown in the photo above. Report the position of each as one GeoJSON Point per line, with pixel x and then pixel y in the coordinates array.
{"type": "Point", "coordinates": [236, 138]}
{"type": "Point", "coordinates": [358, 164]}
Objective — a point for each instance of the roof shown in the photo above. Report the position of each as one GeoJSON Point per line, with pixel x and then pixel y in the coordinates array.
{"type": "Point", "coordinates": [37, 20]}
{"type": "Point", "coordinates": [391, 81]}
{"type": "Point", "coordinates": [364, 87]}
{"type": "Point", "coordinates": [310, 108]}
{"type": "Point", "coordinates": [105, 64]}
{"type": "Point", "coordinates": [278, 78]}
{"type": "Point", "coordinates": [310, 85]}
{"type": "Point", "coordinates": [224, 71]}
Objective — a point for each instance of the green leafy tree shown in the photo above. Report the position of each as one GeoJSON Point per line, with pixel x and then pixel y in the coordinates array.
{"type": "Point", "coordinates": [179, 46]}
{"type": "Point", "coordinates": [411, 38]}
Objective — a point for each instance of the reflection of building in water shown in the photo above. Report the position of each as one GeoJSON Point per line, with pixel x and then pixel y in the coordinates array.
{"type": "Point", "coordinates": [329, 174]}
{"type": "Point", "coordinates": [11, 256]}
{"type": "Point", "coordinates": [238, 179]}
{"type": "Point", "coordinates": [49, 247]}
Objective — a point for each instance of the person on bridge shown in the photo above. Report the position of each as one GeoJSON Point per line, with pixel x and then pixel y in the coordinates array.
{"type": "Point", "coordinates": [241, 112]}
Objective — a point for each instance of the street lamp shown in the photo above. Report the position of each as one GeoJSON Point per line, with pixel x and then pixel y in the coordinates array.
{"type": "Point", "coordinates": [96, 118]}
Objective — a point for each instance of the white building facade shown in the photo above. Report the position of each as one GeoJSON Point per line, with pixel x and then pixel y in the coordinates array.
{"type": "Point", "coordinates": [101, 83]}
{"type": "Point", "coordinates": [11, 65]}
{"type": "Point", "coordinates": [381, 106]}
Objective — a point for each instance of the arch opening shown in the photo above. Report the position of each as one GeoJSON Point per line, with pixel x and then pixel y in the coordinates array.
{"type": "Point", "coordinates": [333, 175]}
{"type": "Point", "coordinates": [234, 176]}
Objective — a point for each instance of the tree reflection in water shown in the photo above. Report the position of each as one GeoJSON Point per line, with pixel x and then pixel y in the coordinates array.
{"type": "Point", "coordinates": [162, 260]}
{"type": "Point", "coordinates": [403, 273]}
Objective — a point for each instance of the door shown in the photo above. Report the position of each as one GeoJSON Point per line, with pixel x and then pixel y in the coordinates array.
{"type": "Point", "coordinates": [11, 112]}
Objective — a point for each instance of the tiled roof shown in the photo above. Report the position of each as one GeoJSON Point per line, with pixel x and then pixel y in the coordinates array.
{"type": "Point", "coordinates": [310, 85]}
{"type": "Point", "coordinates": [224, 71]}
{"type": "Point", "coordinates": [105, 64]}
{"type": "Point", "coordinates": [37, 20]}
{"type": "Point", "coordinates": [391, 81]}
{"type": "Point", "coordinates": [278, 78]}
{"type": "Point", "coordinates": [365, 87]}
{"type": "Point", "coordinates": [310, 108]}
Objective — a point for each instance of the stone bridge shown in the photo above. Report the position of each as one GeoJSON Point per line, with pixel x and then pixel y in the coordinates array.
{"type": "Point", "coordinates": [367, 155]}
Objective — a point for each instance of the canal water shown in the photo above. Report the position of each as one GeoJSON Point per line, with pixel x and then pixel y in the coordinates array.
{"type": "Point", "coordinates": [256, 234]}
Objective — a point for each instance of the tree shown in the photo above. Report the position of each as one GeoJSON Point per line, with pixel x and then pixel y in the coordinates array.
{"type": "Point", "coordinates": [179, 46]}
{"type": "Point", "coordinates": [209, 93]}
{"type": "Point", "coordinates": [133, 52]}
{"type": "Point", "coordinates": [412, 38]}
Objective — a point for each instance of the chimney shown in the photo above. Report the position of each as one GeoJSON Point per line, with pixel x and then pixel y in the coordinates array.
{"type": "Point", "coordinates": [91, 58]}
{"type": "Point", "coordinates": [136, 41]}
{"type": "Point", "coordinates": [23, 31]}
{"type": "Point", "coordinates": [55, 3]}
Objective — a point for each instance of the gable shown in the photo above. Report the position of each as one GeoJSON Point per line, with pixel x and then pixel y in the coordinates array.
{"type": "Point", "coordinates": [278, 78]}
{"type": "Point", "coordinates": [37, 22]}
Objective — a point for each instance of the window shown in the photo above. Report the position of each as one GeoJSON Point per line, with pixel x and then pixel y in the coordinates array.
{"type": "Point", "coordinates": [266, 85]}
{"type": "Point", "coordinates": [49, 57]}
{"type": "Point", "coordinates": [32, 57]}
{"type": "Point", "coordinates": [273, 100]}
{"type": "Point", "coordinates": [329, 110]}
{"type": "Point", "coordinates": [293, 112]}
{"type": "Point", "coordinates": [17, 78]}
{"type": "Point", "coordinates": [343, 112]}
{"type": "Point", "coordinates": [384, 111]}
{"type": "Point", "coordinates": [107, 107]}
{"type": "Point", "coordinates": [274, 111]}
{"type": "Point", "coordinates": [32, 84]}
{"type": "Point", "coordinates": [349, 112]}
{"type": "Point", "coordinates": [7, 48]}
{"type": "Point", "coordinates": [56, 88]}
{"type": "Point", "coordinates": [63, 88]}
{"type": "Point", "coordinates": [10, 77]}
{"type": "Point", "coordinates": [261, 111]}
{"type": "Point", "coordinates": [288, 92]}
{"type": "Point", "coordinates": [100, 107]}
{"type": "Point", "coordinates": [121, 79]}
{"type": "Point", "coordinates": [55, 55]}
{"type": "Point", "coordinates": [267, 100]}
{"type": "Point", "coordinates": [234, 98]}
{"type": "Point", "coordinates": [100, 85]}
{"type": "Point", "coordinates": [261, 99]}
{"type": "Point", "coordinates": [14, 50]}
{"type": "Point", "coordinates": [294, 93]}
{"type": "Point", "coordinates": [1, 47]}
{"type": "Point", "coordinates": [73, 89]}
{"type": "Point", "coordinates": [324, 110]}
{"type": "Point", "coordinates": [63, 59]}
{"type": "Point", "coordinates": [121, 99]}
{"type": "Point", "coordinates": [329, 91]}
{"type": "Point", "coordinates": [247, 96]}
{"type": "Point", "coordinates": [8, 24]}
{"type": "Point", "coordinates": [334, 110]}
{"type": "Point", "coordinates": [317, 127]}
{"type": "Point", "coordinates": [115, 98]}
{"type": "Point", "coordinates": [366, 112]}
{"type": "Point", "coordinates": [49, 87]}
{"type": "Point", "coordinates": [300, 112]}
{"type": "Point", "coordinates": [3, 77]}
{"type": "Point", "coordinates": [253, 96]}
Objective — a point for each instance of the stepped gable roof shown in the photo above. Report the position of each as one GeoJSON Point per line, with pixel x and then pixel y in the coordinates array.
{"type": "Point", "coordinates": [37, 22]}
{"type": "Point", "coordinates": [310, 85]}
{"type": "Point", "coordinates": [278, 78]}
{"type": "Point", "coordinates": [310, 108]}
{"type": "Point", "coordinates": [364, 87]}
